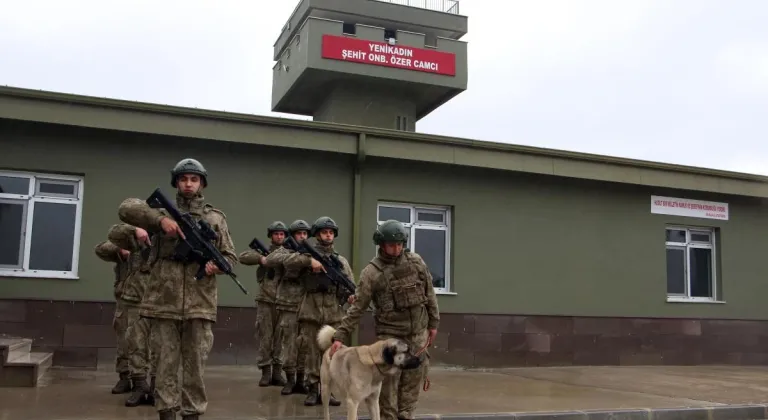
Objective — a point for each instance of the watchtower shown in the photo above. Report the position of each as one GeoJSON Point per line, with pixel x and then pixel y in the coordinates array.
{"type": "Point", "coordinates": [379, 63]}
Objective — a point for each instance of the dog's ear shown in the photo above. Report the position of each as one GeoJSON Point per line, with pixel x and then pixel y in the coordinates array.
{"type": "Point", "coordinates": [388, 354]}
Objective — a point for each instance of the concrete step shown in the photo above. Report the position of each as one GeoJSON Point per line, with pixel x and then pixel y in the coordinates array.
{"type": "Point", "coordinates": [14, 345]}
{"type": "Point", "coordinates": [19, 348]}
{"type": "Point", "coordinates": [19, 366]}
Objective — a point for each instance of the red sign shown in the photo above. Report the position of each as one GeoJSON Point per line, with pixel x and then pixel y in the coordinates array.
{"type": "Point", "coordinates": [382, 54]}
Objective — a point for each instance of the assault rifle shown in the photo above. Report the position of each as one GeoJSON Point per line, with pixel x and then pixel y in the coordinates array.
{"type": "Point", "coordinates": [333, 268]}
{"type": "Point", "coordinates": [197, 245]}
{"type": "Point", "coordinates": [259, 246]}
{"type": "Point", "coordinates": [262, 249]}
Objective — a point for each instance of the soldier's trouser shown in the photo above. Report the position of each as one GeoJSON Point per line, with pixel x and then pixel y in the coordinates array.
{"type": "Point", "coordinates": [186, 343]}
{"type": "Point", "coordinates": [289, 330]}
{"type": "Point", "coordinates": [143, 348]}
{"type": "Point", "coordinates": [309, 332]}
{"type": "Point", "coordinates": [301, 351]}
{"type": "Point", "coordinates": [400, 393]}
{"type": "Point", "coordinates": [269, 335]}
{"type": "Point", "coordinates": [125, 315]}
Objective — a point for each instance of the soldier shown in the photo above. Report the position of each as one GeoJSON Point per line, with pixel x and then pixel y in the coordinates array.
{"type": "Point", "coordinates": [320, 305]}
{"type": "Point", "coordinates": [289, 295]}
{"type": "Point", "coordinates": [399, 284]}
{"type": "Point", "coordinates": [125, 313]}
{"type": "Point", "coordinates": [270, 355]}
{"type": "Point", "coordinates": [141, 355]}
{"type": "Point", "coordinates": [183, 309]}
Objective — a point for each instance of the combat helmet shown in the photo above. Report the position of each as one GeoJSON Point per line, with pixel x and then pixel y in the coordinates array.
{"type": "Point", "coordinates": [298, 225]}
{"type": "Point", "coordinates": [189, 166]}
{"type": "Point", "coordinates": [277, 226]}
{"type": "Point", "coordinates": [390, 231]}
{"type": "Point", "coordinates": [325, 222]}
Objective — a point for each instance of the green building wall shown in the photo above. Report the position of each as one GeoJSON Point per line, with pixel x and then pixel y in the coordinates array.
{"type": "Point", "coordinates": [537, 245]}
{"type": "Point", "coordinates": [252, 185]}
{"type": "Point", "coordinates": [521, 244]}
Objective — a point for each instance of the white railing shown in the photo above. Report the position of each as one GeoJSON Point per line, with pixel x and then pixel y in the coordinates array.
{"type": "Point", "coordinates": [445, 6]}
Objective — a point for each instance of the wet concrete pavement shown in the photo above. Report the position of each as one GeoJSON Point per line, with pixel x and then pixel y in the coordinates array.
{"type": "Point", "coordinates": [234, 393]}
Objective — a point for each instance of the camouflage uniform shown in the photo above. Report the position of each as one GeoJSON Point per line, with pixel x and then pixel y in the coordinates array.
{"type": "Point", "coordinates": [270, 355]}
{"type": "Point", "coordinates": [126, 311]}
{"type": "Point", "coordinates": [141, 355]}
{"type": "Point", "coordinates": [290, 292]}
{"type": "Point", "coordinates": [302, 351]}
{"type": "Point", "coordinates": [183, 309]}
{"type": "Point", "coordinates": [405, 307]}
{"type": "Point", "coordinates": [320, 304]}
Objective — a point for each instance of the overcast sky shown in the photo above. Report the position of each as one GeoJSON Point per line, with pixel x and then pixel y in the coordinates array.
{"type": "Point", "coordinates": [681, 81]}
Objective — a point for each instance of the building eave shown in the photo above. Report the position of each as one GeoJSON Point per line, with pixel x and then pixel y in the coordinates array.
{"type": "Point", "coordinates": [141, 117]}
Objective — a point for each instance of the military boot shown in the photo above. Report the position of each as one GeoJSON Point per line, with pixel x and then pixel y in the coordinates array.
{"type": "Point", "coordinates": [123, 385]}
{"type": "Point", "coordinates": [301, 386]}
{"type": "Point", "coordinates": [290, 383]}
{"type": "Point", "coordinates": [313, 396]}
{"type": "Point", "coordinates": [266, 376]}
{"type": "Point", "coordinates": [334, 402]}
{"type": "Point", "coordinates": [140, 390]}
{"type": "Point", "coordinates": [277, 376]}
{"type": "Point", "coordinates": [190, 417]}
{"type": "Point", "coordinates": [167, 415]}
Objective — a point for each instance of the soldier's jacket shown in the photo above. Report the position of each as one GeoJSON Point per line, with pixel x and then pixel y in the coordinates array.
{"type": "Point", "coordinates": [173, 292]}
{"type": "Point", "coordinates": [402, 294]}
{"type": "Point", "coordinates": [110, 252]}
{"type": "Point", "coordinates": [290, 290]}
{"type": "Point", "coordinates": [135, 285]}
{"type": "Point", "coordinates": [267, 277]}
{"type": "Point", "coordinates": [320, 304]}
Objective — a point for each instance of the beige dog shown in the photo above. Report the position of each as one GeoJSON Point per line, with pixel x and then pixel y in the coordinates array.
{"type": "Point", "coordinates": [355, 374]}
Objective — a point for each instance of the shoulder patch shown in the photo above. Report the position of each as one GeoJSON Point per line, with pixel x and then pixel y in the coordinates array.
{"type": "Point", "coordinates": [207, 208]}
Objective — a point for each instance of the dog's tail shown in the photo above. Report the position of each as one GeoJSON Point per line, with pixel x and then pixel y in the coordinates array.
{"type": "Point", "coordinates": [325, 337]}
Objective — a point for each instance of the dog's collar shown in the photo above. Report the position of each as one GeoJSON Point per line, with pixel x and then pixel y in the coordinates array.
{"type": "Point", "coordinates": [374, 362]}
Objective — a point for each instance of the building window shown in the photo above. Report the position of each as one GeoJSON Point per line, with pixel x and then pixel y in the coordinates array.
{"type": "Point", "coordinates": [349, 28]}
{"type": "Point", "coordinates": [39, 224]}
{"type": "Point", "coordinates": [429, 236]}
{"type": "Point", "coordinates": [691, 263]}
{"type": "Point", "coordinates": [401, 123]}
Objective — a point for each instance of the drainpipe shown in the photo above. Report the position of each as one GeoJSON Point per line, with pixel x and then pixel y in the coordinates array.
{"type": "Point", "coordinates": [357, 190]}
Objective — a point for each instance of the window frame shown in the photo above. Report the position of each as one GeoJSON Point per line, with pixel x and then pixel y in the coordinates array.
{"type": "Point", "coordinates": [687, 246]}
{"type": "Point", "coordinates": [415, 224]}
{"type": "Point", "coordinates": [23, 240]}
{"type": "Point", "coordinates": [30, 199]}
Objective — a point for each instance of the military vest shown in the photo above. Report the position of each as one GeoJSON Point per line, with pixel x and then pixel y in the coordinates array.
{"type": "Point", "coordinates": [270, 273]}
{"type": "Point", "coordinates": [403, 284]}
{"type": "Point", "coordinates": [318, 282]}
{"type": "Point", "coordinates": [293, 274]}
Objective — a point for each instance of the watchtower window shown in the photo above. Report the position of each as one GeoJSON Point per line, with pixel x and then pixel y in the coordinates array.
{"type": "Point", "coordinates": [349, 28]}
{"type": "Point", "coordinates": [390, 33]}
{"type": "Point", "coordinates": [430, 40]}
{"type": "Point", "coordinates": [401, 123]}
